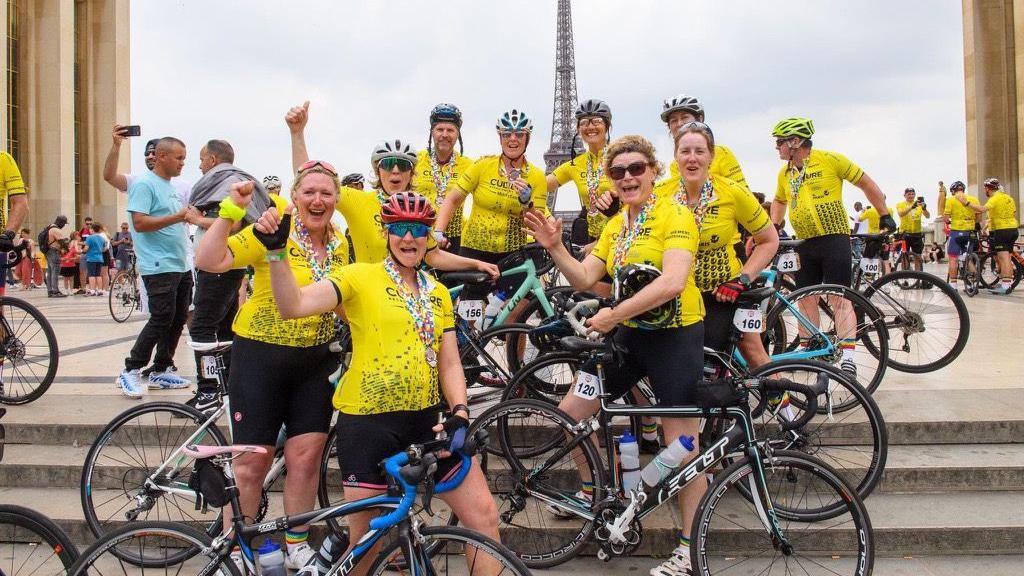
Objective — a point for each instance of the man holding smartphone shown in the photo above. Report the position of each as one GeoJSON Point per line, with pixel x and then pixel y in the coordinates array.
{"type": "Point", "coordinates": [911, 209]}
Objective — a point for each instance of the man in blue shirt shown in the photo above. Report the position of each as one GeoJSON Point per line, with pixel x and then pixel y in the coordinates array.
{"type": "Point", "coordinates": [157, 221]}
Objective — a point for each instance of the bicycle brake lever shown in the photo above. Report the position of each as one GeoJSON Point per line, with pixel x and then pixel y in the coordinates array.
{"type": "Point", "coordinates": [428, 493]}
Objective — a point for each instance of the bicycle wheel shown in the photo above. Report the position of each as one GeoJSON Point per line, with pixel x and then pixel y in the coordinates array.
{"type": "Point", "coordinates": [548, 378]}
{"type": "Point", "coordinates": [31, 543]}
{"type": "Point", "coordinates": [30, 353]}
{"type": "Point", "coordinates": [123, 297]}
{"type": "Point", "coordinates": [989, 270]}
{"type": "Point", "coordinates": [730, 538]}
{"type": "Point", "coordinates": [126, 456]}
{"type": "Point", "coordinates": [928, 326]}
{"type": "Point", "coordinates": [331, 493]}
{"type": "Point", "coordinates": [788, 324]}
{"type": "Point", "coordinates": [489, 360]}
{"type": "Point", "coordinates": [521, 350]}
{"type": "Point", "coordinates": [176, 548]}
{"type": "Point", "coordinates": [971, 274]}
{"type": "Point", "coordinates": [449, 550]}
{"type": "Point", "coordinates": [853, 440]}
{"type": "Point", "coordinates": [531, 491]}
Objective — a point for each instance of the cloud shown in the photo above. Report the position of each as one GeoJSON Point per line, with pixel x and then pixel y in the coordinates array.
{"type": "Point", "coordinates": [883, 81]}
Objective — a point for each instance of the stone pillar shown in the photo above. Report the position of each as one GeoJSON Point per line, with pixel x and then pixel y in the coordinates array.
{"type": "Point", "coordinates": [3, 77]}
{"type": "Point", "coordinates": [48, 109]}
{"type": "Point", "coordinates": [994, 82]}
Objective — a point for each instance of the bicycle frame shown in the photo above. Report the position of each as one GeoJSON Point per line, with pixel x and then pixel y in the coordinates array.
{"type": "Point", "coordinates": [531, 285]}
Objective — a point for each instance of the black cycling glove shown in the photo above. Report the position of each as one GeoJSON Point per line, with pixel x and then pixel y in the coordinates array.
{"type": "Point", "coordinates": [277, 240]}
{"type": "Point", "coordinates": [613, 209]}
{"type": "Point", "coordinates": [887, 223]}
{"type": "Point", "coordinates": [456, 427]}
{"type": "Point", "coordinates": [7, 241]}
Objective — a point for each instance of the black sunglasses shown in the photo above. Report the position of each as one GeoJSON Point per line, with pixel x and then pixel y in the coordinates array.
{"type": "Point", "coordinates": [635, 169]}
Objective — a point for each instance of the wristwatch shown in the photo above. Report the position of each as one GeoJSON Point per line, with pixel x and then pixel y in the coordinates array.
{"type": "Point", "coordinates": [745, 280]}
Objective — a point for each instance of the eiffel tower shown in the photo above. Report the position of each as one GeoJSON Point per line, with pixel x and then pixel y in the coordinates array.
{"type": "Point", "coordinates": [563, 125]}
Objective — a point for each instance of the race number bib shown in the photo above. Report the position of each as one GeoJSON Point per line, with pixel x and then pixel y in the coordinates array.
{"type": "Point", "coordinates": [747, 320]}
{"type": "Point", "coordinates": [586, 386]}
{"type": "Point", "coordinates": [471, 310]}
{"type": "Point", "coordinates": [789, 262]}
{"type": "Point", "coordinates": [871, 265]}
{"type": "Point", "coordinates": [209, 367]}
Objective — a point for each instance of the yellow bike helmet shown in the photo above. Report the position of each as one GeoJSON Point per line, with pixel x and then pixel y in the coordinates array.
{"type": "Point", "coordinates": [802, 127]}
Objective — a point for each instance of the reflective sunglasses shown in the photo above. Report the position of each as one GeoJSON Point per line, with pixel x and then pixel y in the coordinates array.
{"type": "Point", "coordinates": [619, 172]}
{"type": "Point", "coordinates": [781, 141]}
{"type": "Point", "coordinates": [318, 164]}
{"type": "Point", "coordinates": [388, 164]}
{"type": "Point", "coordinates": [595, 121]}
{"type": "Point", "coordinates": [517, 133]}
{"type": "Point", "coordinates": [400, 229]}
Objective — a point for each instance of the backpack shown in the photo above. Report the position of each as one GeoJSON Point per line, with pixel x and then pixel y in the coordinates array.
{"type": "Point", "coordinates": [43, 240]}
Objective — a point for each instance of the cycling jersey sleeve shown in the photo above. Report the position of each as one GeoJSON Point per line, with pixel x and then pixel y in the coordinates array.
{"type": "Point", "coordinates": [846, 169]}
{"type": "Point", "coordinates": [10, 177]}
{"type": "Point", "coordinates": [604, 242]}
{"type": "Point", "coordinates": [469, 179]}
{"type": "Point", "coordinates": [749, 212]}
{"type": "Point", "coordinates": [563, 173]}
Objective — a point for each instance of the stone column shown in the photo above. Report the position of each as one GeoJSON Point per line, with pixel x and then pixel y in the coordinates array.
{"type": "Point", "coordinates": [3, 77]}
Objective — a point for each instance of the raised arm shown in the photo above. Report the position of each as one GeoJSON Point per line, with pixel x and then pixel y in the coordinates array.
{"type": "Point", "coordinates": [296, 119]}
{"type": "Point", "coordinates": [110, 173]}
{"type": "Point", "coordinates": [548, 232]}
{"type": "Point", "coordinates": [213, 254]}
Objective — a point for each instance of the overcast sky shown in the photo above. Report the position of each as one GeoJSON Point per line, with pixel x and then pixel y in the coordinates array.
{"type": "Point", "coordinates": [882, 80]}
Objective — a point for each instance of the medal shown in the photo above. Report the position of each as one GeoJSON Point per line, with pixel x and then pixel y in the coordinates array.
{"type": "Point", "coordinates": [628, 234]}
{"type": "Point", "coordinates": [419, 308]}
{"type": "Point", "coordinates": [706, 192]}
{"type": "Point", "coordinates": [593, 180]}
{"type": "Point", "coordinates": [431, 357]}
{"type": "Point", "coordinates": [795, 183]}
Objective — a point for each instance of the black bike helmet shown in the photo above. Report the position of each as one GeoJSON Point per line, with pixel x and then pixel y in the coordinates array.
{"type": "Point", "coordinates": [353, 178]}
{"type": "Point", "coordinates": [958, 185]}
{"type": "Point", "coordinates": [594, 107]}
{"type": "Point", "coordinates": [631, 279]}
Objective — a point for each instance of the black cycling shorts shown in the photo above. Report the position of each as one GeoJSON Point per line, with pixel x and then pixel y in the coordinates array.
{"type": "Point", "coordinates": [270, 385]}
{"type": "Point", "coordinates": [825, 260]}
{"type": "Point", "coordinates": [364, 440]}
{"type": "Point", "coordinates": [915, 242]}
{"type": "Point", "coordinates": [717, 322]}
{"type": "Point", "coordinates": [671, 358]}
{"type": "Point", "coordinates": [1002, 240]}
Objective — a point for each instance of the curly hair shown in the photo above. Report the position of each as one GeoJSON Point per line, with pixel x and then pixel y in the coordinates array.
{"type": "Point", "coordinates": [633, 143]}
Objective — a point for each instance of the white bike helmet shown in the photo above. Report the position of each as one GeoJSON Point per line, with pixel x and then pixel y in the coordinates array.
{"type": "Point", "coordinates": [682, 102]}
{"type": "Point", "coordinates": [393, 149]}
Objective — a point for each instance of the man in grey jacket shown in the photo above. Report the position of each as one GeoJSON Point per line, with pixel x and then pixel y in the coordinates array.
{"type": "Point", "coordinates": [216, 297]}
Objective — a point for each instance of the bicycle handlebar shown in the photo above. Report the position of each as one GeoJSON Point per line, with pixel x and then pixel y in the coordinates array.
{"type": "Point", "coordinates": [810, 393]}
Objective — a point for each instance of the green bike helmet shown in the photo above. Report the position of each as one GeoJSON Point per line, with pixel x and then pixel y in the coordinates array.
{"type": "Point", "coordinates": [802, 127]}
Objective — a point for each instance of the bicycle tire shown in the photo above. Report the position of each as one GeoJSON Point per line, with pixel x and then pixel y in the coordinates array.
{"type": "Point", "coordinates": [870, 329]}
{"type": "Point", "coordinates": [123, 297]}
{"type": "Point", "coordinates": [519, 350]}
{"type": "Point", "coordinates": [329, 492]}
{"type": "Point", "coordinates": [906, 323]}
{"type": "Point", "coordinates": [29, 347]}
{"type": "Point", "coordinates": [835, 437]}
{"type": "Point", "coordinates": [514, 481]}
{"type": "Point", "coordinates": [989, 271]}
{"type": "Point", "coordinates": [134, 438]}
{"type": "Point", "coordinates": [190, 542]}
{"type": "Point", "coordinates": [22, 528]}
{"type": "Point", "coordinates": [971, 278]}
{"type": "Point", "coordinates": [437, 550]}
{"type": "Point", "coordinates": [497, 361]}
{"type": "Point", "coordinates": [741, 544]}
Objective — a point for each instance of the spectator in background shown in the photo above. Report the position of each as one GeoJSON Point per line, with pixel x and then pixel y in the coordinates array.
{"type": "Point", "coordinates": [52, 250]}
{"type": "Point", "coordinates": [29, 272]}
{"type": "Point", "coordinates": [859, 227]}
{"type": "Point", "coordinates": [95, 244]}
{"type": "Point", "coordinates": [69, 262]}
{"type": "Point", "coordinates": [107, 258]}
{"type": "Point", "coordinates": [79, 247]}
{"type": "Point", "coordinates": [122, 244]}
{"type": "Point", "coordinates": [84, 232]}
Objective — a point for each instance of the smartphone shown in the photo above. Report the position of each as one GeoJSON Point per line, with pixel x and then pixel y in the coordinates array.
{"type": "Point", "coordinates": [920, 200]}
{"type": "Point", "coordinates": [130, 131]}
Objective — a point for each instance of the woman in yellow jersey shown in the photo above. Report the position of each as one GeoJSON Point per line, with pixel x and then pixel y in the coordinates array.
{"type": "Point", "coordinates": [404, 356]}
{"type": "Point", "coordinates": [1002, 231]}
{"type": "Point", "coordinates": [279, 367]}
{"type": "Point", "coordinates": [503, 187]}
{"type": "Point", "coordinates": [720, 207]}
{"type": "Point", "coordinates": [439, 166]}
{"type": "Point", "coordinates": [392, 162]}
{"type": "Point", "coordinates": [593, 123]}
{"type": "Point", "coordinates": [651, 231]}
{"type": "Point", "coordinates": [961, 213]}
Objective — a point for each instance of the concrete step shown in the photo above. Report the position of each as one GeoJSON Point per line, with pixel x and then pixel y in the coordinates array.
{"type": "Point", "coordinates": [911, 416]}
{"type": "Point", "coordinates": [920, 468]}
{"type": "Point", "coordinates": [904, 524]}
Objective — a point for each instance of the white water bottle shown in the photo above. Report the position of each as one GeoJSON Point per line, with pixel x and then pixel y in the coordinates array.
{"type": "Point", "coordinates": [629, 462]}
{"type": "Point", "coordinates": [495, 301]}
{"type": "Point", "coordinates": [271, 559]}
{"type": "Point", "coordinates": [667, 460]}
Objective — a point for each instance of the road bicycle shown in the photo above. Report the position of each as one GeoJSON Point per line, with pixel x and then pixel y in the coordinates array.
{"type": "Point", "coordinates": [773, 521]}
{"type": "Point", "coordinates": [30, 543]}
{"type": "Point", "coordinates": [29, 354]}
{"type": "Point", "coordinates": [405, 543]}
{"type": "Point", "coordinates": [990, 269]}
{"type": "Point", "coordinates": [125, 297]}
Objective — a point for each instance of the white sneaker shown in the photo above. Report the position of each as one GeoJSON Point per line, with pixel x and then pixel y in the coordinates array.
{"type": "Point", "coordinates": [298, 556]}
{"type": "Point", "coordinates": [678, 564]}
{"type": "Point", "coordinates": [564, 514]}
{"type": "Point", "coordinates": [167, 380]}
{"type": "Point", "coordinates": [130, 382]}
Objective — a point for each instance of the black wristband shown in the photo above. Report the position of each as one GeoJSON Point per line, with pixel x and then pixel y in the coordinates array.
{"type": "Point", "coordinates": [458, 407]}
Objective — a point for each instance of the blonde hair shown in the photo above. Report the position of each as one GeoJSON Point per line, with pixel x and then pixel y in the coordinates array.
{"type": "Point", "coordinates": [633, 143]}
{"type": "Point", "coordinates": [315, 170]}
{"type": "Point", "coordinates": [695, 128]}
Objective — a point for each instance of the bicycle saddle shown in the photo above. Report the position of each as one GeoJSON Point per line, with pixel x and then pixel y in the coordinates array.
{"type": "Point", "coordinates": [466, 278]}
{"type": "Point", "coordinates": [577, 344]}
{"type": "Point", "coordinates": [755, 295]}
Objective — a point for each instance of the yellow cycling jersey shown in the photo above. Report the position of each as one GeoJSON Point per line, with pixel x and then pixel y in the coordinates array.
{"type": "Point", "coordinates": [585, 170]}
{"type": "Point", "coordinates": [669, 225]}
{"type": "Point", "coordinates": [389, 371]}
{"type": "Point", "coordinates": [428, 183]}
{"type": "Point", "coordinates": [361, 209]}
{"type": "Point", "coordinates": [872, 217]}
{"type": "Point", "coordinates": [961, 218]}
{"type": "Point", "coordinates": [495, 223]}
{"type": "Point", "coordinates": [1002, 211]}
{"type": "Point", "coordinates": [817, 209]}
{"type": "Point", "coordinates": [911, 222]}
{"type": "Point", "coordinates": [730, 207]}
{"type": "Point", "coordinates": [11, 184]}
{"type": "Point", "coordinates": [258, 319]}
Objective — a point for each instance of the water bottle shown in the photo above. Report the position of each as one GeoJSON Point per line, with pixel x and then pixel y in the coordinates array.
{"type": "Point", "coordinates": [330, 552]}
{"type": "Point", "coordinates": [271, 559]}
{"type": "Point", "coordinates": [666, 461]}
{"type": "Point", "coordinates": [495, 301]}
{"type": "Point", "coordinates": [629, 462]}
